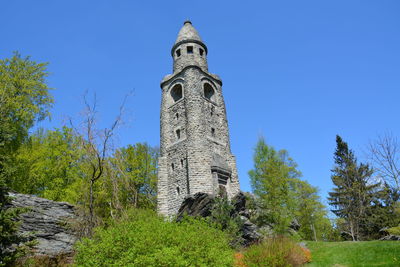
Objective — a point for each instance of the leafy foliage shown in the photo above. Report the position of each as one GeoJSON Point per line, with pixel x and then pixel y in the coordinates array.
{"type": "Point", "coordinates": [144, 239]}
{"type": "Point", "coordinates": [135, 171]}
{"type": "Point", "coordinates": [24, 99]}
{"type": "Point", "coordinates": [223, 217]}
{"type": "Point", "coordinates": [394, 230]}
{"type": "Point", "coordinates": [8, 230]}
{"type": "Point", "coordinates": [281, 197]}
{"type": "Point", "coordinates": [48, 164]}
{"type": "Point", "coordinates": [272, 180]}
{"type": "Point", "coordinates": [311, 214]}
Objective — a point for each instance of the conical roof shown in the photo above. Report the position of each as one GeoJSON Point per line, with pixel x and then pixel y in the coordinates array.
{"type": "Point", "coordinates": [188, 32]}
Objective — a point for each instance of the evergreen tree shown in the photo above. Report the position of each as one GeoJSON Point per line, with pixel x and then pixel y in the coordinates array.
{"type": "Point", "coordinates": [353, 192]}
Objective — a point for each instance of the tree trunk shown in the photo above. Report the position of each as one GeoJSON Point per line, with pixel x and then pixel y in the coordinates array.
{"type": "Point", "coordinates": [314, 232]}
{"type": "Point", "coordinates": [91, 205]}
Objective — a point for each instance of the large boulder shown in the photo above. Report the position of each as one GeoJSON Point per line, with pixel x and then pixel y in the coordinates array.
{"type": "Point", "coordinates": [387, 236]}
{"type": "Point", "coordinates": [48, 222]}
{"type": "Point", "coordinates": [390, 238]}
{"type": "Point", "coordinates": [201, 204]}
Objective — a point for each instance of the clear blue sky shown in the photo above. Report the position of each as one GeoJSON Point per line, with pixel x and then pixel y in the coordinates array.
{"type": "Point", "coordinates": [297, 72]}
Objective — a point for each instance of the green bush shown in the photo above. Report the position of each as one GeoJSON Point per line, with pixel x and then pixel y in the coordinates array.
{"type": "Point", "coordinates": [275, 252]}
{"type": "Point", "coordinates": [394, 230]}
{"type": "Point", "coordinates": [223, 217]}
{"type": "Point", "coordinates": [145, 239]}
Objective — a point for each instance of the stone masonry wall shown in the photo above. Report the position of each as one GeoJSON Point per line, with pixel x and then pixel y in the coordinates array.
{"type": "Point", "coordinates": [194, 133]}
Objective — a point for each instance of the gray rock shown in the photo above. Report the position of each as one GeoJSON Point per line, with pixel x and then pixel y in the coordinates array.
{"type": "Point", "coordinates": [201, 204]}
{"type": "Point", "coordinates": [295, 225]}
{"type": "Point", "coordinates": [239, 202]}
{"type": "Point", "coordinates": [390, 238]}
{"type": "Point", "coordinates": [250, 232]}
{"type": "Point", "coordinates": [48, 222]}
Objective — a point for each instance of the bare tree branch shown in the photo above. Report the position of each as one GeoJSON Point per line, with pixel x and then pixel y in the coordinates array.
{"type": "Point", "coordinates": [384, 155]}
{"type": "Point", "coordinates": [96, 144]}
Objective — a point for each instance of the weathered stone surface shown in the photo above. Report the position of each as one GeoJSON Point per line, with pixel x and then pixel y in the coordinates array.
{"type": "Point", "coordinates": [48, 222]}
{"type": "Point", "coordinates": [239, 202]}
{"type": "Point", "coordinates": [249, 231]}
{"type": "Point", "coordinates": [390, 238]}
{"type": "Point", "coordinates": [295, 225]}
{"type": "Point", "coordinates": [386, 236]}
{"type": "Point", "coordinates": [201, 204]}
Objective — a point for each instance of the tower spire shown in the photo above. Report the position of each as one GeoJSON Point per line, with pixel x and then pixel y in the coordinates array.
{"type": "Point", "coordinates": [189, 49]}
{"type": "Point", "coordinates": [188, 32]}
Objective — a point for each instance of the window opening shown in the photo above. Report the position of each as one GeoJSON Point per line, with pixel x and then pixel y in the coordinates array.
{"type": "Point", "coordinates": [178, 134]}
{"type": "Point", "coordinates": [208, 92]}
{"type": "Point", "coordinates": [212, 132]}
{"type": "Point", "coordinates": [181, 162]}
{"type": "Point", "coordinates": [176, 92]}
{"type": "Point", "coordinates": [178, 190]}
{"type": "Point", "coordinates": [222, 179]}
{"type": "Point", "coordinates": [189, 49]}
{"type": "Point", "coordinates": [177, 116]}
{"type": "Point", "coordinates": [201, 51]}
{"type": "Point", "coordinates": [172, 167]}
{"type": "Point", "coordinates": [178, 53]}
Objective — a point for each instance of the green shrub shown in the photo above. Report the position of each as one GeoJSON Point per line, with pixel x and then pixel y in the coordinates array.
{"type": "Point", "coordinates": [144, 239]}
{"type": "Point", "coordinates": [275, 252]}
{"type": "Point", "coordinates": [223, 217]}
{"type": "Point", "coordinates": [394, 230]}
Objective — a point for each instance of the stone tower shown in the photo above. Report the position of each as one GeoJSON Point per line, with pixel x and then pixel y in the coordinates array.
{"type": "Point", "coordinates": [195, 153]}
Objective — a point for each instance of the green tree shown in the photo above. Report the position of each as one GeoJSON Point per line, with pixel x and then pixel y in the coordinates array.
{"type": "Point", "coordinates": [273, 180]}
{"type": "Point", "coordinates": [48, 164]}
{"type": "Point", "coordinates": [353, 192]}
{"type": "Point", "coordinates": [311, 213]}
{"type": "Point", "coordinates": [24, 99]}
{"type": "Point", "coordinates": [384, 212]}
{"type": "Point", "coordinates": [135, 176]}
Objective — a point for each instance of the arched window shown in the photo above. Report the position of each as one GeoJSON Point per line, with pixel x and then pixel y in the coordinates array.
{"type": "Point", "coordinates": [176, 92]}
{"type": "Point", "coordinates": [208, 92]}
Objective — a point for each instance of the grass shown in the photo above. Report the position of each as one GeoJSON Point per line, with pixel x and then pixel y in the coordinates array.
{"type": "Point", "coordinates": [355, 254]}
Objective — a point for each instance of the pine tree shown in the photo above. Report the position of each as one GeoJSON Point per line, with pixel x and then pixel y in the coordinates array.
{"type": "Point", "coordinates": [353, 192]}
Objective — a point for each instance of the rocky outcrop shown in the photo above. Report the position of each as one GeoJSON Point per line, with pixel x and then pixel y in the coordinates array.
{"type": "Point", "coordinates": [201, 204]}
{"type": "Point", "coordinates": [390, 238]}
{"type": "Point", "coordinates": [387, 236]}
{"type": "Point", "coordinates": [48, 222]}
